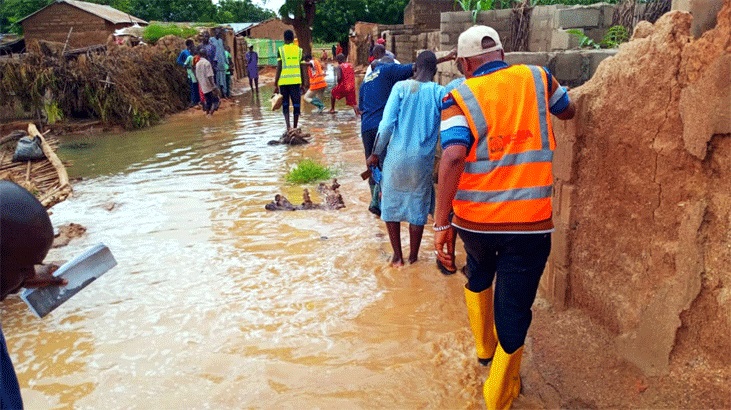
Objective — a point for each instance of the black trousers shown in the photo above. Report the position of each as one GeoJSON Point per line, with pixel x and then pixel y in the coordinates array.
{"type": "Point", "coordinates": [515, 262]}
{"type": "Point", "coordinates": [291, 92]}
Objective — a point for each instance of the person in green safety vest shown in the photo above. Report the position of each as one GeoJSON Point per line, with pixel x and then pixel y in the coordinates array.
{"type": "Point", "coordinates": [291, 78]}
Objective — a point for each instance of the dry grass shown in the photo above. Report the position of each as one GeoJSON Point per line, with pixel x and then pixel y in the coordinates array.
{"type": "Point", "coordinates": [131, 87]}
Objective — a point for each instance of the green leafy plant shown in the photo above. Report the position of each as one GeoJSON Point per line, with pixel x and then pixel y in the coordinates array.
{"type": "Point", "coordinates": [584, 40]}
{"type": "Point", "coordinates": [307, 171]}
{"type": "Point", "coordinates": [53, 112]}
{"type": "Point", "coordinates": [475, 6]}
{"type": "Point", "coordinates": [156, 31]}
{"type": "Point", "coordinates": [615, 36]}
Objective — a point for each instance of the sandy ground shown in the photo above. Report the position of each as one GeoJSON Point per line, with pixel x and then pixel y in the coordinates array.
{"type": "Point", "coordinates": [573, 363]}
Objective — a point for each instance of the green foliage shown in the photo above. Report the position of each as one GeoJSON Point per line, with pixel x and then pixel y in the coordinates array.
{"type": "Point", "coordinates": [241, 11]}
{"type": "Point", "coordinates": [615, 36]}
{"type": "Point", "coordinates": [227, 11]}
{"type": "Point", "coordinates": [53, 112]}
{"type": "Point", "coordinates": [584, 40]}
{"type": "Point", "coordinates": [475, 6]}
{"type": "Point", "coordinates": [13, 10]}
{"type": "Point", "coordinates": [334, 18]}
{"type": "Point", "coordinates": [308, 171]}
{"type": "Point", "coordinates": [156, 31]}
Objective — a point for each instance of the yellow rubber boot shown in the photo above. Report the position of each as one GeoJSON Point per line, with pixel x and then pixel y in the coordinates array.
{"type": "Point", "coordinates": [482, 323]}
{"type": "Point", "coordinates": [503, 384]}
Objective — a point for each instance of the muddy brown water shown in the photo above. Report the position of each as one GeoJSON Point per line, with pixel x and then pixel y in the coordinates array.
{"type": "Point", "coordinates": [217, 303]}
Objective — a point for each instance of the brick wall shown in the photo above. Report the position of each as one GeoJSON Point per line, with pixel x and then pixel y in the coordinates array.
{"type": "Point", "coordinates": [271, 29]}
{"type": "Point", "coordinates": [425, 14]}
{"type": "Point", "coordinates": [54, 22]}
{"type": "Point", "coordinates": [548, 25]}
{"type": "Point", "coordinates": [572, 67]}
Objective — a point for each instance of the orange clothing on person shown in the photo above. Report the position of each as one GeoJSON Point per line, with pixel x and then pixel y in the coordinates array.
{"type": "Point", "coordinates": [317, 75]}
{"type": "Point", "coordinates": [508, 175]}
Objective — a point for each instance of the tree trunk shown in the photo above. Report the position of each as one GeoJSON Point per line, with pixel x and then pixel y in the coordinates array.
{"type": "Point", "coordinates": [302, 23]}
{"type": "Point", "coordinates": [304, 38]}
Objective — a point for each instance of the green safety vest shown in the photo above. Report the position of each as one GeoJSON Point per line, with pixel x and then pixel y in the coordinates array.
{"type": "Point", "coordinates": [291, 56]}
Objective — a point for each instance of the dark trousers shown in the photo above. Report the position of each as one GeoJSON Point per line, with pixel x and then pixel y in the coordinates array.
{"type": "Point", "coordinates": [211, 101]}
{"type": "Point", "coordinates": [195, 98]}
{"type": "Point", "coordinates": [9, 390]}
{"type": "Point", "coordinates": [518, 261]}
{"type": "Point", "coordinates": [290, 92]}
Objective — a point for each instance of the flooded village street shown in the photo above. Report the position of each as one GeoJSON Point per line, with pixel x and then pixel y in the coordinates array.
{"type": "Point", "coordinates": [218, 303]}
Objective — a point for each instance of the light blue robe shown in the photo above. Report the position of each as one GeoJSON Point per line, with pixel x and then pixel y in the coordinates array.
{"type": "Point", "coordinates": [409, 128]}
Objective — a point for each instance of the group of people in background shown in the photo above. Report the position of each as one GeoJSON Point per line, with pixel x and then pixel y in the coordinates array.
{"type": "Point", "coordinates": [209, 68]}
{"type": "Point", "coordinates": [297, 74]}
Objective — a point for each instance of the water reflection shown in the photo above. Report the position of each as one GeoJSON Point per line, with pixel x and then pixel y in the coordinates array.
{"type": "Point", "coordinates": [216, 302]}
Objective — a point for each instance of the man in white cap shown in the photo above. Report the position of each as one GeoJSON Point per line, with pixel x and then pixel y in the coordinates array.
{"type": "Point", "coordinates": [495, 186]}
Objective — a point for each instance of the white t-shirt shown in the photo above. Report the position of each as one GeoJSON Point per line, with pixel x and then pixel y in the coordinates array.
{"type": "Point", "coordinates": [369, 69]}
{"type": "Point", "coordinates": [203, 71]}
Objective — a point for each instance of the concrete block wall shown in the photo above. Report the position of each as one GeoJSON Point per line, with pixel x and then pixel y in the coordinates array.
{"type": "Point", "coordinates": [425, 14]}
{"type": "Point", "coordinates": [542, 26]}
{"type": "Point", "coordinates": [571, 68]}
{"type": "Point", "coordinates": [547, 25]}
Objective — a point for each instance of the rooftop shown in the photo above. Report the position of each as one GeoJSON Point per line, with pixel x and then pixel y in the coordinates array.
{"type": "Point", "coordinates": [108, 13]}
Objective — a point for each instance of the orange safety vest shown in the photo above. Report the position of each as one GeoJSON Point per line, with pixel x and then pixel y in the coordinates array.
{"type": "Point", "coordinates": [508, 174]}
{"type": "Point", "coordinates": [317, 76]}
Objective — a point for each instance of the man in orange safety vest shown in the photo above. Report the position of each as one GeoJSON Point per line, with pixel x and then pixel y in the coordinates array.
{"type": "Point", "coordinates": [495, 187]}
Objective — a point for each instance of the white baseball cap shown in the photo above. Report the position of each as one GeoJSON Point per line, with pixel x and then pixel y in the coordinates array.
{"type": "Point", "coordinates": [470, 41]}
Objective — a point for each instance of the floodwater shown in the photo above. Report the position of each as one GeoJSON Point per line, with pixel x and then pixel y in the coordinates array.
{"type": "Point", "coordinates": [217, 303]}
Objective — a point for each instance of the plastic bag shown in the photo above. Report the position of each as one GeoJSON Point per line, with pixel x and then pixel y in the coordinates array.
{"type": "Point", "coordinates": [28, 149]}
{"type": "Point", "coordinates": [276, 101]}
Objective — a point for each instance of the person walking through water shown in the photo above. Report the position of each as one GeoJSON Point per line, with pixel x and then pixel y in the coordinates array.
{"type": "Point", "coordinates": [252, 68]}
{"type": "Point", "coordinates": [345, 87]}
{"type": "Point", "coordinates": [205, 75]}
{"type": "Point", "coordinates": [495, 175]}
{"type": "Point", "coordinates": [410, 129]}
{"type": "Point", "coordinates": [290, 77]}
{"type": "Point", "coordinates": [317, 83]}
{"type": "Point", "coordinates": [374, 93]}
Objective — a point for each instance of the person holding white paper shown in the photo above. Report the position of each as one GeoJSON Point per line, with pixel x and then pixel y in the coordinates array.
{"type": "Point", "coordinates": [27, 235]}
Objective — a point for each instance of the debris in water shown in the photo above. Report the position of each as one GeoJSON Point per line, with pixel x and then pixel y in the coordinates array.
{"type": "Point", "coordinates": [66, 233]}
{"type": "Point", "coordinates": [333, 200]}
{"type": "Point", "coordinates": [294, 136]}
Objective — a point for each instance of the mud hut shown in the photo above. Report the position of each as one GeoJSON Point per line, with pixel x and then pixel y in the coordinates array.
{"type": "Point", "coordinates": [79, 23]}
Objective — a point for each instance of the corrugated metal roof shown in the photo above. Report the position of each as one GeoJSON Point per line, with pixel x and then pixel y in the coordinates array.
{"type": "Point", "coordinates": [108, 13]}
{"type": "Point", "coordinates": [239, 27]}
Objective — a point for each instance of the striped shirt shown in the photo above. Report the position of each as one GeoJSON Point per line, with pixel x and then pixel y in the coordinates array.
{"type": "Point", "coordinates": [455, 129]}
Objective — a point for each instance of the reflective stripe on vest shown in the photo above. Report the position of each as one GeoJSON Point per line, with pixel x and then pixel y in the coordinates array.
{"type": "Point", "coordinates": [317, 76]}
{"type": "Point", "coordinates": [291, 55]}
{"type": "Point", "coordinates": [508, 174]}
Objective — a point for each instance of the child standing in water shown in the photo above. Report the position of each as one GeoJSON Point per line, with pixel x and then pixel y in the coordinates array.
{"type": "Point", "coordinates": [409, 128]}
